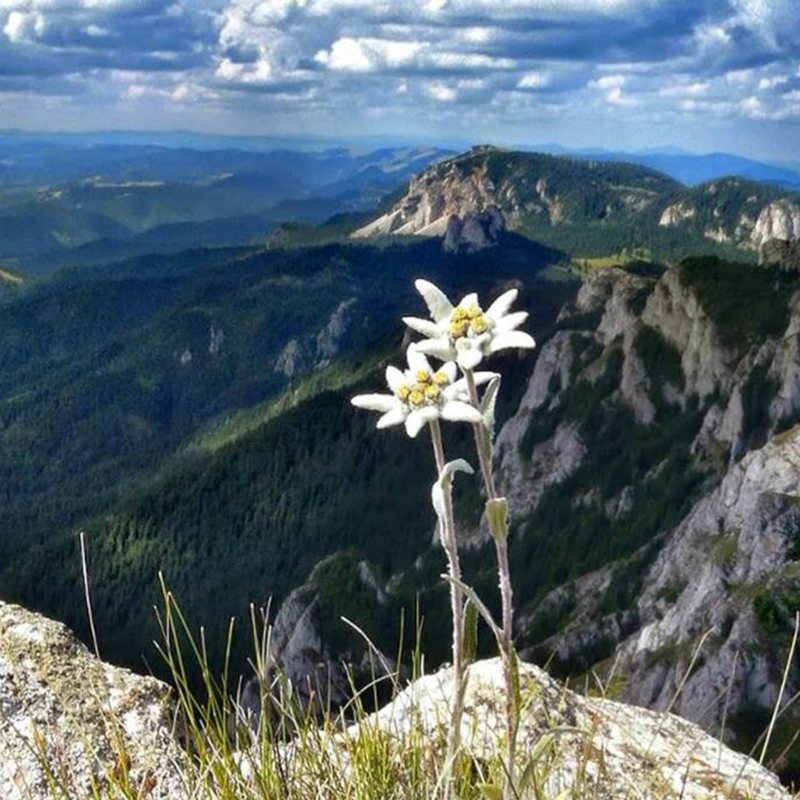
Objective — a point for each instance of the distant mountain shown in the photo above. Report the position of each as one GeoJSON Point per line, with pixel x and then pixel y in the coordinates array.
{"type": "Point", "coordinates": [60, 203]}
{"type": "Point", "coordinates": [695, 169]}
{"type": "Point", "coordinates": [591, 207]}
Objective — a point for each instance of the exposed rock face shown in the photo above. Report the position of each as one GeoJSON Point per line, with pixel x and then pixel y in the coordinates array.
{"type": "Point", "coordinates": [474, 231]}
{"type": "Point", "coordinates": [737, 542]}
{"type": "Point", "coordinates": [301, 355]}
{"type": "Point", "coordinates": [433, 197]}
{"type": "Point", "coordinates": [91, 717]}
{"type": "Point", "coordinates": [610, 751]}
{"type": "Point", "coordinates": [778, 220]}
{"type": "Point", "coordinates": [675, 214]}
{"type": "Point", "coordinates": [785, 254]}
{"type": "Point", "coordinates": [740, 536]}
{"type": "Point", "coordinates": [299, 652]}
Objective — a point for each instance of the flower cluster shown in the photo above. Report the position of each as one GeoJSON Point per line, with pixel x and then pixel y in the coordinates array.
{"type": "Point", "coordinates": [421, 394]}
{"type": "Point", "coordinates": [459, 336]}
{"type": "Point", "coordinates": [465, 333]}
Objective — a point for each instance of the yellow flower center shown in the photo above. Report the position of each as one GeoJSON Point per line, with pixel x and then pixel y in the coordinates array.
{"type": "Point", "coordinates": [426, 390]}
{"type": "Point", "coordinates": [433, 392]}
{"type": "Point", "coordinates": [416, 398]}
{"type": "Point", "coordinates": [467, 319]}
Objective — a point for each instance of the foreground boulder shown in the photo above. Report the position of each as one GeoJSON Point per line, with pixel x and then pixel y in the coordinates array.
{"type": "Point", "coordinates": [605, 750]}
{"type": "Point", "coordinates": [87, 720]}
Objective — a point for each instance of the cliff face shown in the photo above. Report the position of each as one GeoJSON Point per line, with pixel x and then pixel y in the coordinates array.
{"type": "Point", "coordinates": [535, 193]}
{"type": "Point", "coordinates": [712, 594]}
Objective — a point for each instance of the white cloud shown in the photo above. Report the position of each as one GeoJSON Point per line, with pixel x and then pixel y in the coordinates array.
{"type": "Point", "coordinates": [610, 82]}
{"type": "Point", "coordinates": [533, 80]}
{"type": "Point", "coordinates": [367, 55]}
{"type": "Point", "coordinates": [765, 84]}
{"type": "Point", "coordinates": [738, 77]}
{"type": "Point", "coordinates": [24, 26]}
{"type": "Point", "coordinates": [753, 107]}
{"type": "Point", "coordinates": [686, 89]}
{"type": "Point", "coordinates": [440, 92]}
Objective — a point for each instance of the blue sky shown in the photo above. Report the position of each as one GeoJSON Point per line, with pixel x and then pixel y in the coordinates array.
{"type": "Point", "coordinates": [699, 74]}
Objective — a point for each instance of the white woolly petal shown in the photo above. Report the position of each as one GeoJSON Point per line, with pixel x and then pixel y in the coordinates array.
{"type": "Point", "coordinates": [469, 300]}
{"type": "Point", "coordinates": [500, 306]}
{"type": "Point", "coordinates": [375, 402]}
{"type": "Point", "coordinates": [469, 356]}
{"type": "Point", "coordinates": [423, 326]}
{"type": "Point", "coordinates": [393, 417]}
{"type": "Point", "coordinates": [456, 411]}
{"type": "Point", "coordinates": [484, 377]}
{"type": "Point", "coordinates": [511, 321]}
{"type": "Point", "coordinates": [509, 339]}
{"type": "Point", "coordinates": [436, 300]}
{"type": "Point", "coordinates": [450, 369]}
{"type": "Point", "coordinates": [456, 391]}
{"type": "Point", "coordinates": [418, 419]}
{"type": "Point", "coordinates": [394, 378]}
{"type": "Point", "coordinates": [417, 360]}
{"type": "Point", "coordinates": [438, 348]}
{"type": "Point", "coordinates": [459, 390]}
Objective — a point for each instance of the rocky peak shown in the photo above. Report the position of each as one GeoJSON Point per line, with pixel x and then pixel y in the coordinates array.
{"type": "Point", "coordinates": [474, 231]}
{"type": "Point", "coordinates": [778, 220]}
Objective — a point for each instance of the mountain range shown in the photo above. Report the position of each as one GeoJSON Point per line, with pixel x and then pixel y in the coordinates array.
{"type": "Point", "coordinates": [190, 411]}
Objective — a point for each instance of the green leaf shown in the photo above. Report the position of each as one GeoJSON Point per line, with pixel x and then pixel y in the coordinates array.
{"type": "Point", "coordinates": [497, 517]}
{"type": "Point", "coordinates": [514, 664]}
{"type": "Point", "coordinates": [490, 791]}
{"type": "Point", "coordinates": [482, 610]}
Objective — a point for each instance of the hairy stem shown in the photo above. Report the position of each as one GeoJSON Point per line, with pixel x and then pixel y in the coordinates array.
{"type": "Point", "coordinates": [483, 445]}
{"type": "Point", "coordinates": [448, 535]}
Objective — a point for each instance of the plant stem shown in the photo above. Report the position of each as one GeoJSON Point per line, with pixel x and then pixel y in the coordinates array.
{"type": "Point", "coordinates": [483, 445]}
{"type": "Point", "coordinates": [448, 535]}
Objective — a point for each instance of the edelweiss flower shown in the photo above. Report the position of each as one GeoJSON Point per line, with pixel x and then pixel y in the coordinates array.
{"type": "Point", "coordinates": [421, 395]}
{"type": "Point", "coordinates": [466, 333]}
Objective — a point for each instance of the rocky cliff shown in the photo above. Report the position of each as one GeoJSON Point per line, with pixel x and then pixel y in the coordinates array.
{"type": "Point", "coordinates": [699, 616]}
{"type": "Point", "coordinates": [71, 725]}
{"type": "Point", "coordinates": [537, 193]}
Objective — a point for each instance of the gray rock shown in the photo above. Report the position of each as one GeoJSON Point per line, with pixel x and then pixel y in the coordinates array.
{"type": "Point", "coordinates": [783, 252]}
{"type": "Point", "coordinates": [606, 751]}
{"type": "Point", "coordinates": [88, 717]}
{"type": "Point", "coordinates": [474, 232]}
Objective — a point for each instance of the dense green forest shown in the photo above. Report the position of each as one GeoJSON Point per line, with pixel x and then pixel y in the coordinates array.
{"type": "Point", "coordinates": [104, 418]}
{"type": "Point", "coordinates": [242, 488]}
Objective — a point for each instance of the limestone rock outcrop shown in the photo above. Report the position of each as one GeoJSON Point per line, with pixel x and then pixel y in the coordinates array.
{"type": "Point", "coordinates": [474, 232]}
{"type": "Point", "coordinates": [604, 750]}
{"type": "Point", "coordinates": [84, 718]}
{"type": "Point", "coordinates": [778, 220]}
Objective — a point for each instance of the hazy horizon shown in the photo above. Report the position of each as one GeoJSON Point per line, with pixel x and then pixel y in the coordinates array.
{"type": "Point", "coordinates": [701, 75]}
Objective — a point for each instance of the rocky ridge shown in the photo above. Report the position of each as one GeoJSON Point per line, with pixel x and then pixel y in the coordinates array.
{"type": "Point", "coordinates": [732, 562]}
{"type": "Point", "coordinates": [57, 697]}
{"type": "Point", "coordinates": [85, 718]}
{"type": "Point", "coordinates": [535, 192]}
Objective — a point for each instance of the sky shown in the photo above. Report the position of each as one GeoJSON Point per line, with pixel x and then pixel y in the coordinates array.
{"type": "Point", "coordinates": [703, 75]}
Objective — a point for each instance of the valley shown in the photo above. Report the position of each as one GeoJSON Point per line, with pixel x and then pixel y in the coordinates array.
{"type": "Point", "coordinates": [189, 409]}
